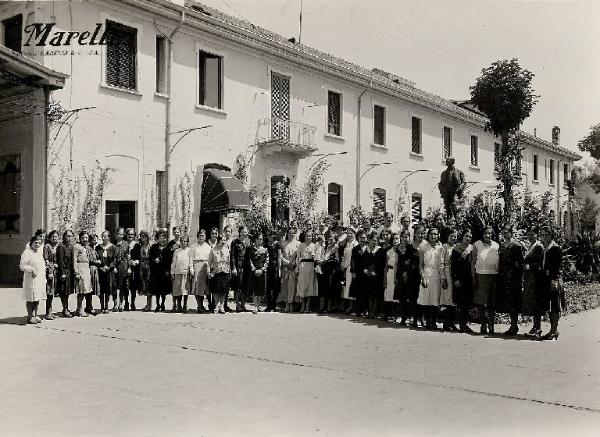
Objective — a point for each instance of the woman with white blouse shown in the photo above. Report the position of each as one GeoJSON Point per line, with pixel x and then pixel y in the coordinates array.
{"type": "Point", "coordinates": [33, 266]}
{"type": "Point", "coordinates": [219, 268]}
{"type": "Point", "coordinates": [199, 254]}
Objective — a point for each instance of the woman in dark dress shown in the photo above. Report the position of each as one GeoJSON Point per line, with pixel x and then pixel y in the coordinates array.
{"type": "Point", "coordinates": [65, 270]}
{"type": "Point", "coordinates": [532, 282]}
{"type": "Point", "coordinates": [407, 278]}
{"type": "Point", "coordinates": [161, 256]}
{"type": "Point", "coordinates": [327, 266]}
{"type": "Point", "coordinates": [107, 255]}
{"type": "Point", "coordinates": [51, 272]}
{"type": "Point", "coordinates": [552, 285]}
{"type": "Point", "coordinates": [258, 260]}
{"type": "Point", "coordinates": [273, 271]}
{"type": "Point", "coordinates": [357, 268]}
{"type": "Point", "coordinates": [510, 278]}
{"type": "Point", "coordinates": [460, 268]}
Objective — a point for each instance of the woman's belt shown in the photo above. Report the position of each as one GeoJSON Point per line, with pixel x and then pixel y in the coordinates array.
{"type": "Point", "coordinates": [307, 260]}
{"type": "Point", "coordinates": [200, 260]}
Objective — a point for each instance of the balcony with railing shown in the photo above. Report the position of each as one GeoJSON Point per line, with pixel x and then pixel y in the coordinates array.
{"type": "Point", "coordinates": [278, 135]}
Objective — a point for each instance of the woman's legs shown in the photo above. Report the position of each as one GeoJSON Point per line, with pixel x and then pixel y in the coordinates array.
{"type": "Point", "coordinates": [199, 303]}
{"type": "Point", "coordinates": [49, 315]}
{"type": "Point", "coordinates": [554, 319]}
{"type": "Point", "coordinates": [29, 306]}
{"type": "Point", "coordinates": [514, 324]}
{"type": "Point", "coordinates": [256, 300]}
{"type": "Point", "coordinates": [322, 304]}
{"type": "Point", "coordinates": [185, 299]}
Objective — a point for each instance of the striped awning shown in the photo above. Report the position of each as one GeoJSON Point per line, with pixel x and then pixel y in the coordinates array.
{"type": "Point", "coordinates": [221, 192]}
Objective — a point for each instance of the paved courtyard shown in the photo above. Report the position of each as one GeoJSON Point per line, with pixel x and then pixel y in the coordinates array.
{"type": "Point", "coordinates": [274, 374]}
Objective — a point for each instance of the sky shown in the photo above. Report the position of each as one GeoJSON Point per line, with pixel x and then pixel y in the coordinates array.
{"type": "Point", "coordinates": [443, 45]}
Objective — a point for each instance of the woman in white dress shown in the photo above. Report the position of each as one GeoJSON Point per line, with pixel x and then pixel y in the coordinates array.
{"type": "Point", "coordinates": [389, 276]}
{"type": "Point", "coordinates": [199, 254]}
{"type": "Point", "coordinates": [182, 271]}
{"type": "Point", "coordinates": [432, 277]}
{"type": "Point", "coordinates": [351, 243]}
{"type": "Point", "coordinates": [33, 266]}
{"type": "Point", "coordinates": [305, 264]}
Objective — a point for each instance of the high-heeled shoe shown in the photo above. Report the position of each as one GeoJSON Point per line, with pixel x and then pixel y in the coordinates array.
{"type": "Point", "coordinates": [551, 336]}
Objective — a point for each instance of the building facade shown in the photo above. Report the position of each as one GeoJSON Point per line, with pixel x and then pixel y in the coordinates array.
{"type": "Point", "coordinates": [182, 87]}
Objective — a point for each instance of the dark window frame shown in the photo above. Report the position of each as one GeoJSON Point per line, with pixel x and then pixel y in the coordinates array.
{"type": "Point", "coordinates": [447, 141]}
{"type": "Point", "coordinates": [335, 197]}
{"type": "Point", "coordinates": [203, 55]}
{"type": "Point", "coordinates": [416, 124]}
{"type": "Point", "coordinates": [536, 173]}
{"type": "Point", "coordinates": [551, 171]}
{"type": "Point", "coordinates": [474, 150]}
{"type": "Point", "coordinates": [13, 35]}
{"type": "Point", "coordinates": [379, 120]}
{"type": "Point", "coordinates": [161, 64]}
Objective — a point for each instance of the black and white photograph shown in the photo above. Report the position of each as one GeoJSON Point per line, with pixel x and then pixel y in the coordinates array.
{"type": "Point", "coordinates": [299, 218]}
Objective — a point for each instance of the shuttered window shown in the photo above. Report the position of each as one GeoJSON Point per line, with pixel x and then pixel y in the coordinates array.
{"type": "Point", "coordinates": [379, 125]}
{"type": "Point", "coordinates": [416, 208]}
{"type": "Point", "coordinates": [121, 55]}
{"type": "Point", "coordinates": [334, 113]}
{"type": "Point", "coordinates": [535, 168]}
{"type": "Point", "coordinates": [13, 32]}
{"type": "Point", "coordinates": [552, 172]}
{"type": "Point", "coordinates": [474, 150]}
{"type": "Point", "coordinates": [334, 200]}
{"type": "Point", "coordinates": [379, 196]}
{"type": "Point", "coordinates": [565, 175]}
{"type": "Point", "coordinates": [416, 135]}
{"type": "Point", "coordinates": [447, 142]}
{"type": "Point", "coordinates": [161, 64]}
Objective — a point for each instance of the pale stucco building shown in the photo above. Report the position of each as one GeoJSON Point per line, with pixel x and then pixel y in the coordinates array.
{"type": "Point", "coordinates": [173, 69]}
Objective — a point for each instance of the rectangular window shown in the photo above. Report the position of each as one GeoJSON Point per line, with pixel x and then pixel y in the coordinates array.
{"type": "Point", "coordinates": [334, 200]}
{"type": "Point", "coordinates": [121, 56]}
{"type": "Point", "coordinates": [447, 142]}
{"type": "Point", "coordinates": [379, 125]}
{"type": "Point", "coordinates": [10, 194]}
{"type": "Point", "coordinates": [416, 135]}
{"type": "Point", "coordinates": [496, 156]}
{"type": "Point", "coordinates": [565, 174]}
{"type": "Point", "coordinates": [416, 212]}
{"type": "Point", "coordinates": [535, 168]}
{"type": "Point", "coordinates": [552, 172]}
{"type": "Point", "coordinates": [474, 150]}
{"type": "Point", "coordinates": [334, 113]}
{"type": "Point", "coordinates": [161, 64]}
{"type": "Point", "coordinates": [210, 70]}
{"type": "Point", "coordinates": [13, 32]}
{"type": "Point", "coordinates": [379, 200]}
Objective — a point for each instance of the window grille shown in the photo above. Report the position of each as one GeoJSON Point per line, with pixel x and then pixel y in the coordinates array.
{"type": "Point", "coordinates": [474, 150]}
{"type": "Point", "coordinates": [379, 200]}
{"type": "Point", "coordinates": [210, 80]}
{"type": "Point", "coordinates": [334, 112]}
{"type": "Point", "coordinates": [280, 106]}
{"type": "Point", "coordinates": [13, 32]}
{"type": "Point", "coordinates": [535, 168]}
{"type": "Point", "coordinates": [551, 171]}
{"type": "Point", "coordinates": [121, 55]}
{"type": "Point", "coordinates": [416, 135]}
{"type": "Point", "coordinates": [565, 174]}
{"type": "Point", "coordinates": [161, 65]}
{"type": "Point", "coordinates": [379, 125]}
{"type": "Point", "coordinates": [447, 142]}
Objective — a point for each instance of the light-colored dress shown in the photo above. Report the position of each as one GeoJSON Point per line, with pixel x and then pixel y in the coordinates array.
{"type": "Point", "coordinates": [81, 267]}
{"type": "Point", "coordinates": [392, 262]}
{"type": "Point", "coordinates": [289, 279]}
{"type": "Point", "coordinates": [34, 289]}
{"type": "Point", "coordinates": [433, 270]}
{"type": "Point", "coordinates": [307, 280]}
{"type": "Point", "coordinates": [446, 294]}
{"type": "Point", "coordinates": [346, 260]}
{"type": "Point", "coordinates": [182, 270]}
{"type": "Point", "coordinates": [199, 254]}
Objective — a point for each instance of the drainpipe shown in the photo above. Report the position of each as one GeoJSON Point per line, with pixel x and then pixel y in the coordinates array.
{"type": "Point", "coordinates": [358, 133]}
{"type": "Point", "coordinates": [46, 213]}
{"type": "Point", "coordinates": [168, 116]}
{"type": "Point", "coordinates": [558, 211]}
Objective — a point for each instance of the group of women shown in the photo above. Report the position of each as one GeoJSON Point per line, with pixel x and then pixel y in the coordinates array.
{"type": "Point", "coordinates": [386, 272]}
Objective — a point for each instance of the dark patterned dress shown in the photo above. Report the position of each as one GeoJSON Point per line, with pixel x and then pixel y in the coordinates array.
{"type": "Point", "coordinates": [106, 275]}
{"type": "Point", "coordinates": [160, 269]}
{"type": "Point", "coordinates": [258, 258]}
{"type": "Point", "coordinates": [94, 270]}
{"type": "Point", "coordinates": [144, 269]}
{"type": "Point", "coordinates": [460, 268]}
{"type": "Point", "coordinates": [510, 277]}
{"type": "Point", "coordinates": [552, 285]}
{"type": "Point", "coordinates": [51, 270]}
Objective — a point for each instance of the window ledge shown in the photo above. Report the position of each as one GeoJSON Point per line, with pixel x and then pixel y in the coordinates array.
{"type": "Point", "coordinates": [211, 109]}
{"type": "Point", "coordinates": [552, 185]}
{"type": "Point", "coordinates": [161, 95]}
{"type": "Point", "coordinates": [379, 146]}
{"type": "Point", "coordinates": [535, 181]}
{"type": "Point", "coordinates": [334, 137]}
{"type": "Point", "coordinates": [416, 155]}
{"type": "Point", "coordinates": [122, 90]}
{"type": "Point", "coordinates": [474, 167]}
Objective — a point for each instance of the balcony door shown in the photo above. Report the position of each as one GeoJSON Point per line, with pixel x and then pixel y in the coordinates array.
{"type": "Point", "coordinates": [280, 106]}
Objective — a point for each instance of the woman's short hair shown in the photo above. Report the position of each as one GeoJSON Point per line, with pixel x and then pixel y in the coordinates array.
{"type": "Point", "coordinates": [430, 230]}
{"type": "Point", "coordinates": [548, 230]}
{"type": "Point", "coordinates": [302, 237]}
{"type": "Point", "coordinates": [51, 233]}
{"type": "Point", "coordinates": [34, 238]}
{"type": "Point", "coordinates": [463, 231]}
{"type": "Point", "coordinates": [82, 233]}
{"type": "Point", "coordinates": [161, 232]}
{"type": "Point", "coordinates": [201, 231]}
{"type": "Point", "coordinates": [144, 233]}
{"type": "Point", "coordinates": [360, 233]}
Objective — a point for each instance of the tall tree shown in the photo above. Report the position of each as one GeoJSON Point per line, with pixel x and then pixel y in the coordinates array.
{"type": "Point", "coordinates": [504, 93]}
{"type": "Point", "coordinates": [591, 143]}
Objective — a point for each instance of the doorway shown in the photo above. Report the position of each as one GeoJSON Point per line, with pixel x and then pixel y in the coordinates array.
{"type": "Point", "coordinates": [119, 214]}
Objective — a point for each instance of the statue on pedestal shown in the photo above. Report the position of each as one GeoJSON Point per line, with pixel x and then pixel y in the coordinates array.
{"type": "Point", "coordinates": [452, 185]}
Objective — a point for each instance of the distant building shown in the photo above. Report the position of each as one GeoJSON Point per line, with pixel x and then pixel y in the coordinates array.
{"type": "Point", "coordinates": [170, 67]}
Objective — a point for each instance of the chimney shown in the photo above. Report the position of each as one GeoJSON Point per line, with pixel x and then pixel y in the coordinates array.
{"type": "Point", "coordinates": [535, 132]}
{"type": "Point", "coordinates": [556, 136]}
